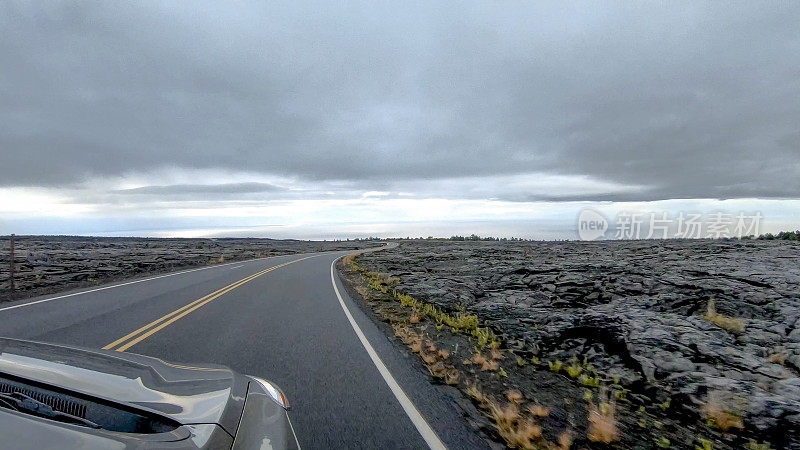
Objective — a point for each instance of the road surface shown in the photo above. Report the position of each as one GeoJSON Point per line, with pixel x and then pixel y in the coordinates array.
{"type": "Point", "coordinates": [287, 319]}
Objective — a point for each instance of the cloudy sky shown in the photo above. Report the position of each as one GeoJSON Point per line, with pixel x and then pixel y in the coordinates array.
{"type": "Point", "coordinates": [344, 119]}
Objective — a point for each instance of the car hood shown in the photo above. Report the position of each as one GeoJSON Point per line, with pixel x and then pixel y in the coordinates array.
{"type": "Point", "coordinates": [187, 393]}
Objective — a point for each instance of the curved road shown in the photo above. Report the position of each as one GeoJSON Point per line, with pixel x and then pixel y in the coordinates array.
{"type": "Point", "coordinates": [287, 319]}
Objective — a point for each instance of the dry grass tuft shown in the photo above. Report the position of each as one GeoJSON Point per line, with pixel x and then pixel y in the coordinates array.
{"type": "Point", "coordinates": [720, 412]}
{"type": "Point", "coordinates": [565, 440]}
{"type": "Point", "coordinates": [539, 411]}
{"type": "Point", "coordinates": [362, 291]}
{"type": "Point", "coordinates": [602, 423]}
{"type": "Point", "coordinates": [348, 260]}
{"type": "Point", "coordinates": [474, 391]}
{"type": "Point", "coordinates": [504, 416]}
{"type": "Point", "coordinates": [409, 337]}
{"type": "Point", "coordinates": [404, 333]}
{"type": "Point", "coordinates": [778, 357]}
{"type": "Point", "coordinates": [427, 350]}
{"type": "Point", "coordinates": [479, 359]}
{"type": "Point", "coordinates": [514, 397]}
{"type": "Point", "coordinates": [731, 324]}
{"type": "Point", "coordinates": [490, 365]}
{"type": "Point", "coordinates": [495, 353]}
{"type": "Point", "coordinates": [429, 358]}
{"type": "Point", "coordinates": [415, 318]}
{"type": "Point", "coordinates": [438, 369]}
{"type": "Point", "coordinates": [485, 363]}
{"type": "Point", "coordinates": [524, 435]}
{"type": "Point", "coordinates": [451, 376]}
{"type": "Point", "coordinates": [517, 431]}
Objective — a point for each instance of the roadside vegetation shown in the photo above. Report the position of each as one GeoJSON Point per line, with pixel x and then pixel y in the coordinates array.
{"type": "Point", "coordinates": [458, 351]}
{"type": "Point", "coordinates": [732, 324]}
{"type": "Point", "coordinates": [781, 236]}
{"type": "Point", "coordinates": [528, 400]}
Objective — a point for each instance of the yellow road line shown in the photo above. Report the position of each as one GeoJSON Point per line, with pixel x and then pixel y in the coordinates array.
{"type": "Point", "coordinates": [170, 318]}
{"type": "Point", "coordinates": [133, 333]}
{"type": "Point", "coordinates": [177, 311]}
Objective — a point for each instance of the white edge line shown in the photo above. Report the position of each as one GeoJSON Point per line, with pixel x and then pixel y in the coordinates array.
{"type": "Point", "coordinates": [412, 412]}
{"type": "Point", "coordinates": [293, 433]}
{"type": "Point", "coordinates": [126, 284]}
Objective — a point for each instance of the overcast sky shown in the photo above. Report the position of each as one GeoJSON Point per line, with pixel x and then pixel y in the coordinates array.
{"type": "Point", "coordinates": [339, 119]}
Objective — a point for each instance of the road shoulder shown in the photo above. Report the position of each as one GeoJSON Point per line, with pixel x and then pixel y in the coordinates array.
{"type": "Point", "coordinates": [455, 419]}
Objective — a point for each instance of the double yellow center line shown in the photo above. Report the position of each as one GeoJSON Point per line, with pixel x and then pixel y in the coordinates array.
{"type": "Point", "coordinates": [134, 337]}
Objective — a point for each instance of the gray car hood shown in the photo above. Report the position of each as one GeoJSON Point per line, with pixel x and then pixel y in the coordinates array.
{"type": "Point", "coordinates": [189, 394]}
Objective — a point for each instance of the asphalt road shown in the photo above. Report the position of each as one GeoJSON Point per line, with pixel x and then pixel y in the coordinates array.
{"type": "Point", "coordinates": [286, 324]}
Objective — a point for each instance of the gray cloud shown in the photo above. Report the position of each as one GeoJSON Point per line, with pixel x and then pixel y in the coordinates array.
{"type": "Point", "coordinates": [693, 100]}
{"type": "Point", "coordinates": [226, 188]}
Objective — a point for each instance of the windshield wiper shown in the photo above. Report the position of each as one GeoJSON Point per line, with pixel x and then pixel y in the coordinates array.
{"type": "Point", "coordinates": [25, 403]}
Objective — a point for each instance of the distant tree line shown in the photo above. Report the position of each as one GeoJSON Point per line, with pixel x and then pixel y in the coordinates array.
{"type": "Point", "coordinates": [782, 236]}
